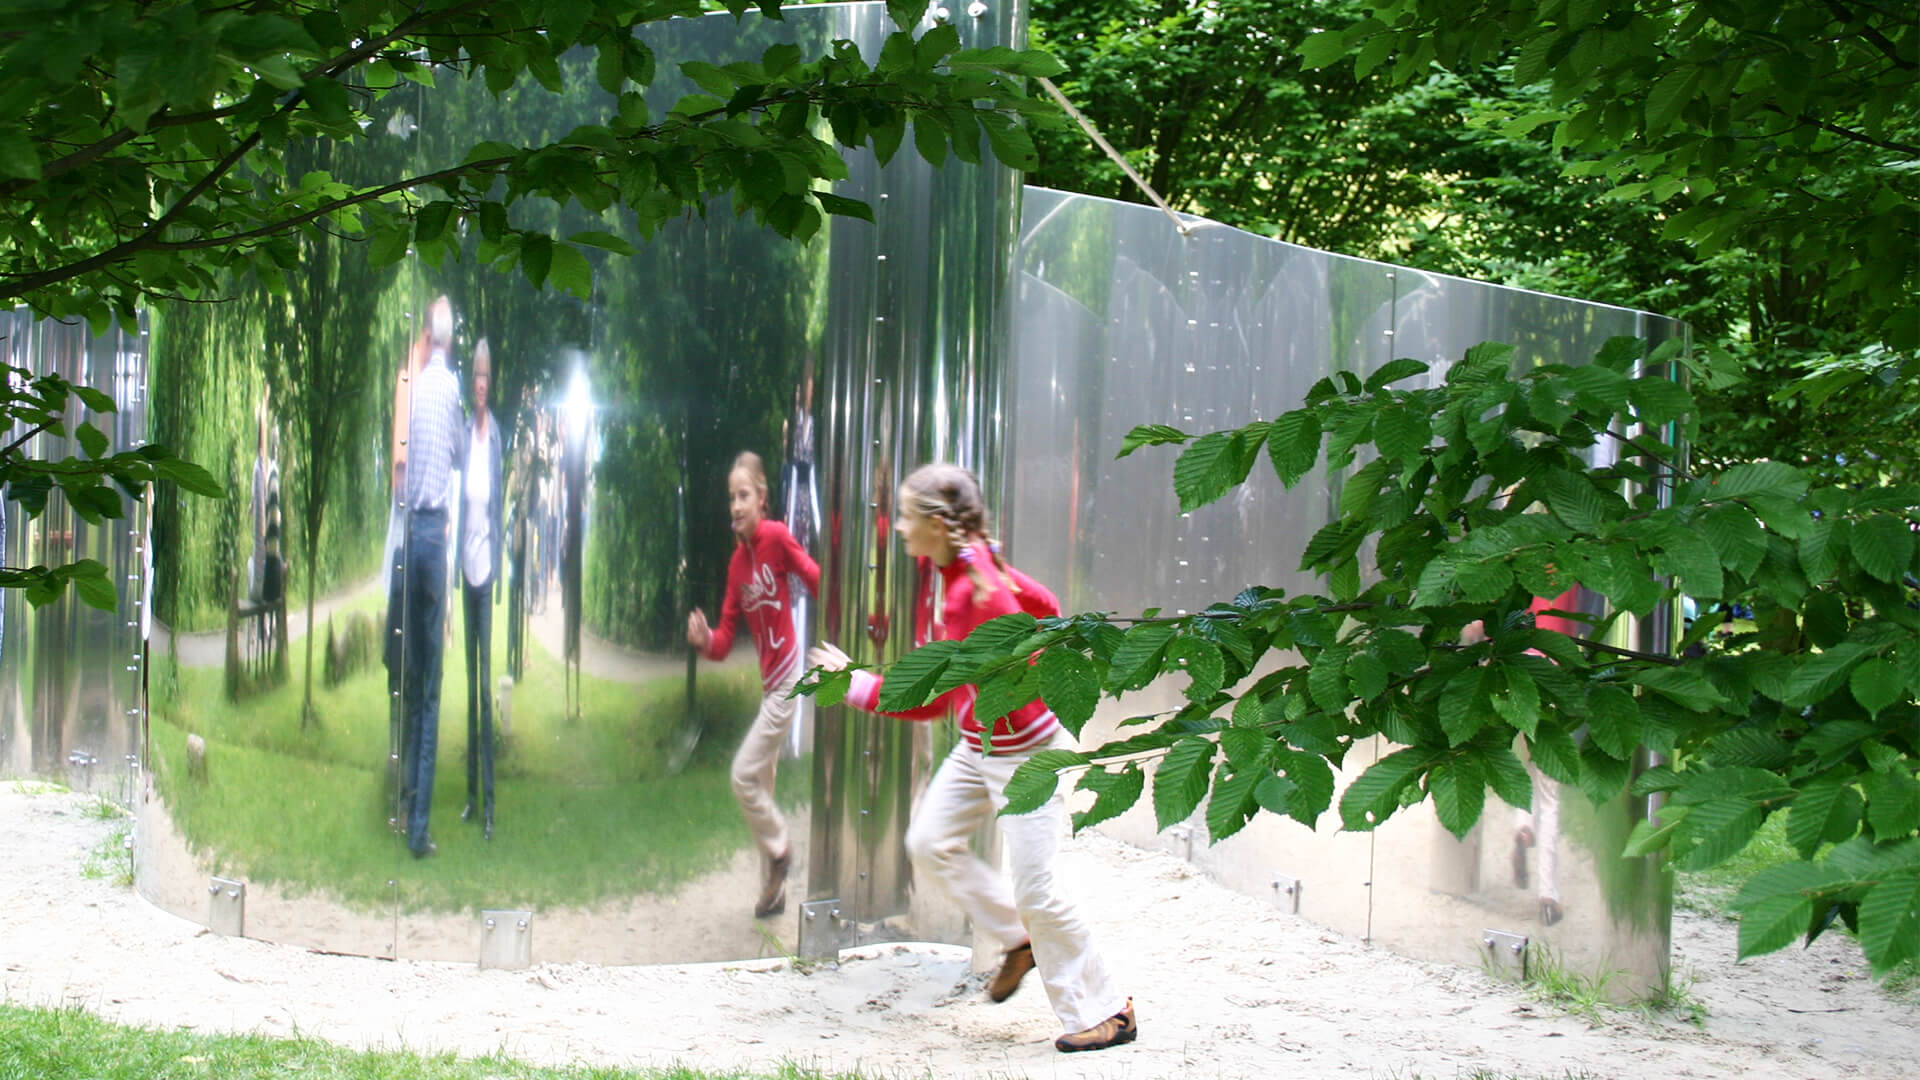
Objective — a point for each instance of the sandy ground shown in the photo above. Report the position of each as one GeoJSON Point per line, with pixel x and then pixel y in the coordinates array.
{"type": "Point", "coordinates": [1226, 987]}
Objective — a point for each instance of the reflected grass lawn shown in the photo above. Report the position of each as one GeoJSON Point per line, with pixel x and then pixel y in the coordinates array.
{"type": "Point", "coordinates": [587, 809]}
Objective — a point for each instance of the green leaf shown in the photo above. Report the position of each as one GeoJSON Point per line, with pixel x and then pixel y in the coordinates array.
{"type": "Point", "coordinates": [190, 477]}
{"type": "Point", "coordinates": [1876, 684]}
{"type": "Point", "coordinates": [1208, 469]}
{"type": "Point", "coordinates": [1233, 800]}
{"type": "Point", "coordinates": [1774, 923]}
{"type": "Point", "coordinates": [1150, 435]}
{"type": "Point", "coordinates": [1463, 705]}
{"type": "Point", "coordinates": [1012, 144]}
{"type": "Point", "coordinates": [906, 14]}
{"type": "Point", "coordinates": [1602, 776]}
{"type": "Point", "coordinates": [1716, 831]}
{"type": "Point", "coordinates": [1893, 804]}
{"type": "Point", "coordinates": [1737, 537]}
{"type": "Point", "coordinates": [1883, 546]}
{"type": "Point", "coordinates": [1293, 443]}
{"type": "Point", "coordinates": [431, 220]}
{"type": "Point", "coordinates": [910, 681]}
{"type": "Point", "coordinates": [1890, 921]}
{"type": "Point", "coordinates": [835, 204]}
{"type": "Point", "coordinates": [1649, 836]}
{"type": "Point", "coordinates": [1322, 49]}
{"type": "Point", "coordinates": [1573, 499]}
{"type": "Point", "coordinates": [92, 399]}
{"type": "Point", "coordinates": [1275, 794]}
{"type": "Point", "coordinates": [1759, 478]}
{"type": "Point", "coordinates": [1517, 699]}
{"type": "Point", "coordinates": [1114, 794]}
{"type": "Point", "coordinates": [1507, 776]}
{"type": "Point", "coordinates": [1668, 95]}
{"type": "Point", "coordinates": [606, 241]}
{"type": "Point", "coordinates": [1034, 782]}
{"type": "Point", "coordinates": [1070, 687]}
{"type": "Point", "coordinates": [92, 440]}
{"type": "Point", "coordinates": [1613, 721]}
{"type": "Point", "coordinates": [1826, 811]}
{"type": "Point", "coordinates": [1180, 781]}
{"type": "Point", "coordinates": [1392, 372]}
{"type": "Point", "coordinates": [1371, 798]}
{"type": "Point", "coordinates": [1823, 673]}
{"type": "Point", "coordinates": [1459, 795]}
{"type": "Point", "coordinates": [1658, 400]}
{"type": "Point", "coordinates": [1554, 754]}
{"type": "Point", "coordinates": [571, 272]}
{"type": "Point", "coordinates": [1001, 693]}
{"type": "Point", "coordinates": [536, 258]}
{"type": "Point", "coordinates": [1202, 662]}
{"type": "Point", "coordinates": [1138, 660]}
{"type": "Point", "coordinates": [94, 587]}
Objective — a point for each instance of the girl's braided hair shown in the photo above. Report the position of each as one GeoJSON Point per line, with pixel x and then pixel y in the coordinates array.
{"type": "Point", "coordinates": [951, 495]}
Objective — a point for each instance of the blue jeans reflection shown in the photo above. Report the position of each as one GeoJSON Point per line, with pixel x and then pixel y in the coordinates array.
{"type": "Point", "coordinates": [425, 642]}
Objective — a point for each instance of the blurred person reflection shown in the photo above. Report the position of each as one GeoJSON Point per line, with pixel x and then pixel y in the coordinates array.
{"type": "Point", "coordinates": [436, 445]}
{"type": "Point", "coordinates": [766, 560]}
{"type": "Point", "coordinates": [802, 515]}
{"type": "Point", "coordinates": [575, 439]}
{"type": "Point", "coordinates": [400, 731]}
{"type": "Point", "coordinates": [480, 551]}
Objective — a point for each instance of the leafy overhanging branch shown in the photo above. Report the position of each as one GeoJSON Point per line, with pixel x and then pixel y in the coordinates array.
{"type": "Point", "coordinates": [96, 127]}
{"type": "Point", "coordinates": [1484, 497]}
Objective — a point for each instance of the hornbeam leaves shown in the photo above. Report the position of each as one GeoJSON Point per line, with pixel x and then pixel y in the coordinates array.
{"type": "Point", "coordinates": [1467, 510]}
{"type": "Point", "coordinates": [85, 143]}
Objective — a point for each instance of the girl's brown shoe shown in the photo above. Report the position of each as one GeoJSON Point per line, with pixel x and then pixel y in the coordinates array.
{"type": "Point", "coordinates": [1013, 967]}
{"type": "Point", "coordinates": [1113, 1031]}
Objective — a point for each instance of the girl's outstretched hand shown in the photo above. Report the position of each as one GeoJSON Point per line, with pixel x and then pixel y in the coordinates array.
{"type": "Point", "coordinates": [828, 655]}
{"type": "Point", "coordinates": [699, 634]}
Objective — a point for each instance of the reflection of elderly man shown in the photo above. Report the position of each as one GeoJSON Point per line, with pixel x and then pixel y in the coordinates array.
{"type": "Point", "coordinates": [480, 550]}
{"type": "Point", "coordinates": [436, 445]}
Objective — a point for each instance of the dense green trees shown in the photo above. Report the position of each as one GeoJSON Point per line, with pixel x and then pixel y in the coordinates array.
{"type": "Point", "coordinates": [1746, 168]}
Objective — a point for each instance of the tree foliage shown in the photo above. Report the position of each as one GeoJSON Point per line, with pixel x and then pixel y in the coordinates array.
{"type": "Point", "coordinates": [141, 144]}
{"type": "Point", "coordinates": [1785, 127]}
{"type": "Point", "coordinates": [187, 150]}
{"type": "Point", "coordinates": [1764, 192]}
{"type": "Point", "coordinates": [35, 405]}
{"type": "Point", "coordinates": [1475, 498]}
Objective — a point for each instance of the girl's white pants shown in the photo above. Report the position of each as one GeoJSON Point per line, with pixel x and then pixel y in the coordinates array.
{"type": "Point", "coordinates": [969, 787]}
{"type": "Point", "coordinates": [753, 768]}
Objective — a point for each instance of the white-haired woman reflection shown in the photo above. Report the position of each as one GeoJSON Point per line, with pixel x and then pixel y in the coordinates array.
{"type": "Point", "coordinates": [480, 557]}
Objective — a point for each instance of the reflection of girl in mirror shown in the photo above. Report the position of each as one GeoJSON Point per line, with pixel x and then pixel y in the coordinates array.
{"type": "Point", "coordinates": [943, 521]}
{"type": "Point", "coordinates": [758, 592]}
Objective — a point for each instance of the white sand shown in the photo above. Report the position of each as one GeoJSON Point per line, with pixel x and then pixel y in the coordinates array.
{"type": "Point", "coordinates": [1225, 987]}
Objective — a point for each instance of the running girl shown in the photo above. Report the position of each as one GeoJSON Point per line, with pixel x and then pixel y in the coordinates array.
{"type": "Point", "coordinates": [943, 521]}
{"type": "Point", "coordinates": [757, 591]}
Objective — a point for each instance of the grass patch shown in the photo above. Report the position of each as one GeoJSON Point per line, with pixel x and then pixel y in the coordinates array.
{"type": "Point", "coordinates": [587, 809]}
{"type": "Point", "coordinates": [70, 1044]}
{"type": "Point", "coordinates": [111, 860]}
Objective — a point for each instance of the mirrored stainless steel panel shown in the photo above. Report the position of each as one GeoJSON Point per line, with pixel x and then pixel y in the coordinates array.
{"type": "Point", "coordinates": [70, 673]}
{"type": "Point", "coordinates": [493, 704]}
{"type": "Point", "coordinates": [1123, 319]}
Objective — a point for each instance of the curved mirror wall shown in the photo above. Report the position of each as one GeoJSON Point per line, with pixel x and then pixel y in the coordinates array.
{"type": "Point", "coordinates": [280, 761]}
{"type": "Point", "coordinates": [423, 686]}
{"type": "Point", "coordinates": [1121, 319]}
{"type": "Point", "coordinates": [69, 673]}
